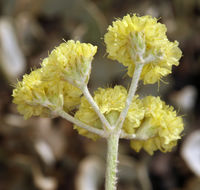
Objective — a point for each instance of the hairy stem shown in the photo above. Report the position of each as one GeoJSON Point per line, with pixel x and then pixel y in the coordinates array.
{"type": "Point", "coordinates": [106, 125]}
{"type": "Point", "coordinates": [113, 139]}
{"type": "Point", "coordinates": [124, 135]}
{"type": "Point", "coordinates": [111, 166]}
{"type": "Point", "coordinates": [70, 118]}
{"type": "Point", "coordinates": [131, 93]}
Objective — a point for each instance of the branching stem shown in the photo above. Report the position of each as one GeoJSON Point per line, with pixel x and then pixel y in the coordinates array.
{"type": "Point", "coordinates": [131, 93]}
{"type": "Point", "coordinates": [70, 118]}
{"type": "Point", "coordinates": [105, 124]}
{"type": "Point", "coordinates": [65, 115]}
{"type": "Point", "coordinates": [113, 139]}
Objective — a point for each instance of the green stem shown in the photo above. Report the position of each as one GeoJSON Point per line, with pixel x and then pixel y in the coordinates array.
{"type": "Point", "coordinates": [111, 166]}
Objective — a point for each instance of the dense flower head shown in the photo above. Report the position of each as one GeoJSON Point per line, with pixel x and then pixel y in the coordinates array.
{"type": "Point", "coordinates": [160, 129]}
{"type": "Point", "coordinates": [111, 102]}
{"type": "Point", "coordinates": [71, 60]}
{"type": "Point", "coordinates": [49, 86]}
{"type": "Point", "coordinates": [134, 39]}
{"type": "Point", "coordinates": [35, 96]}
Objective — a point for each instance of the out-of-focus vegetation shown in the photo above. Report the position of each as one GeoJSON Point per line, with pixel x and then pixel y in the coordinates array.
{"type": "Point", "coordinates": [47, 154]}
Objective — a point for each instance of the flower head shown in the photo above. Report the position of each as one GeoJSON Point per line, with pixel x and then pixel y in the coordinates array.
{"type": "Point", "coordinates": [134, 40]}
{"type": "Point", "coordinates": [70, 61]}
{"type": "Point", "coordinates": [111, 102]}
{"type": "Point", "coordinates": [35, 96]}
{"type": "Point", "coordinates": [160, 129]}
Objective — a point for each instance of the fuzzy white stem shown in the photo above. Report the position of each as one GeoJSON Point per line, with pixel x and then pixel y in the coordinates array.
{"type": "Point", "coordinates": [131, 93]}
{"type": "Point", "coordinates": [60, 112]}
{"type": "Point", "coordinates": [105, 124]}
{"type": "Point", "coordinates": [111, 166]}
{"type": "Point", "coordinates": [124, 135]}
{"type": "Point", "coordinates": [70, 118]}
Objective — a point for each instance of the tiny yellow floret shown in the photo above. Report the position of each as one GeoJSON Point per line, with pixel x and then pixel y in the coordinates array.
{"type": "Point", "coordinates": [111, 102]}
{"type": "Point", "coordinates": [134, 40]}
{"type": "Point", "coordinates": [160, 128]}
{"type": "Point", "coordinates": [70, 61]}
{"type": "Point", "coordinates": [35, 96]}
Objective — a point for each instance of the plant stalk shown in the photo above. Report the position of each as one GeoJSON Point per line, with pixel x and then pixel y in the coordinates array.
{"type": "Point", "coordinates": [131, 93]}
{"type": "Point", "coordinates": [75, 121]}
{"type": "Point", "coordinates": [112, 160]}
{"type": "Point", "coordinates": [105, 124]}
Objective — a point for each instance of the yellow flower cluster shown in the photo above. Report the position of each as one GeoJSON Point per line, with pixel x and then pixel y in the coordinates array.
{"type": "Point", "coordinates": [111, 102]}
{"type": "Point", "coordinates": [160, 129]}
{"type": "Point", "coordinates": [134, 39]}
{"type": "Point", "coordinates": [150, 119]}
{"type": "Point", "coordinates": [46, 87]}
{"type": "Point", "coordinates": [35, 96]}
{"type": "Point", "coordinates": [70, 61]}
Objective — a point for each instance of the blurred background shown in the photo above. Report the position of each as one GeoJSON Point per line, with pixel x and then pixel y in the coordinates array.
{"type": "Point", "coordinates": [47, 154]}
